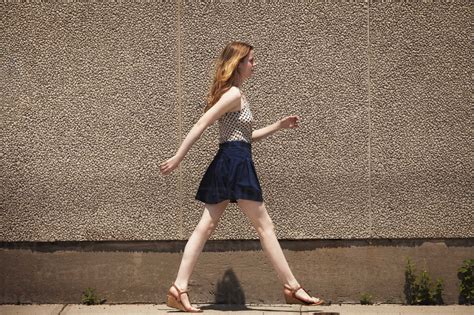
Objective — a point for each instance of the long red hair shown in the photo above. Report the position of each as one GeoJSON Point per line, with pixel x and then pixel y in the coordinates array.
{"type": "Point", "coordinates": [226, 70]}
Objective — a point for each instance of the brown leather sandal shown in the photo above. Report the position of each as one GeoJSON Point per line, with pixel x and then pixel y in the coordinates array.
{"type": "Point", "coordinates": [293, 299]}
{"type": "Point", "coordinates": [175, 301]}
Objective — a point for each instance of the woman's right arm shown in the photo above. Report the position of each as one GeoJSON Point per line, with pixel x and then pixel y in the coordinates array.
{"type": "Point", "coordinates": [229, 100]}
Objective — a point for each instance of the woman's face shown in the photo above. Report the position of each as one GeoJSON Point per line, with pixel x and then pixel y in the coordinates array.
{"type": "Point", "coordinates": [247, 65]}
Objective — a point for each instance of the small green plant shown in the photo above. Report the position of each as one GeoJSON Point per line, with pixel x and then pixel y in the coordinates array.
{"type": "Point", "coordinates": [89, 297]}
{"type": "Point", "coordinates": [438, 292]}
{"type": "Point", "coordinates": [410, 278]}
{"type": "Point", "coordinates": [466, 288]}
{"type": "Point", "coordinates": [366, 299]}
{"type": "Point", "coordinates": [419, 289]}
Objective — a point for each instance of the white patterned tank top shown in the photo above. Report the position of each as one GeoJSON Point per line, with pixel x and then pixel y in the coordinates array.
{"type": "Point", "coordinates": [236, 126]}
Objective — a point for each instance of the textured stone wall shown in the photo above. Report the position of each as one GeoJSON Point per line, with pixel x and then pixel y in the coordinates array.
{"type": "Point", "coordinates": [95, 95]}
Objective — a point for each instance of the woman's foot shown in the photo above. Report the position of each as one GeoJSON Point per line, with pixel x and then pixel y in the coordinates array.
{"type": "Point", "coordinates": [180, 299]}
{"type": "Point", "coordinates": [297, 294]}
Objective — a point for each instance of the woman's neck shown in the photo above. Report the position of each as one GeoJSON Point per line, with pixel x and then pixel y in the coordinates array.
{"type": "Point", "coordinates": [238, 86]}
{"type": "Point", "coordinates": [238, 82]}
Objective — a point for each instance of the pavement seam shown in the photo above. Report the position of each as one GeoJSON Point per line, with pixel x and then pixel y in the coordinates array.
{"type": "Point", "coordinates": [64, 306]}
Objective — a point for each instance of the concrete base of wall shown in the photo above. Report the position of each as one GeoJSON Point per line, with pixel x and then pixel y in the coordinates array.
{"type": "Point", "coordinates": [229, 272]}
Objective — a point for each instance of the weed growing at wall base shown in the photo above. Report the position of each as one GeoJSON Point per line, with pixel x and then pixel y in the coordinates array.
{"type": "Point", "coordinates": [466, 288]}
{"type": "Point", "coordinates": [419, 289]}
{"type": "Point", "coordinates": [366, 299]}
{"type": "Point", "coordinates": [89, 297]}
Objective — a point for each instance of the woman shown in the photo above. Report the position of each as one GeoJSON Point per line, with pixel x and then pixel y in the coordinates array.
{"type": "Point", "coordinates": [231, 176]}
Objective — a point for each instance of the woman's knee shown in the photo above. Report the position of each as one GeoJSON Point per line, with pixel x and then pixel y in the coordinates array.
{"type": "Point", "coordinates": [266, 228]}
{"type": "Point", "coordinates": [206, 227]}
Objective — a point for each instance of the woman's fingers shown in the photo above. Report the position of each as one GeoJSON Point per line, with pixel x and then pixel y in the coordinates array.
{"type": "Point", "coordinates": [292, 121]}
{"type": "Point", "coordinates": [164, 167]}
{"type": "Point", "coordinates": [167, 167]}
{"type": "Point", "coordinates": [165, 171]}
{"type": "Point", "coordinates": [295, 120]}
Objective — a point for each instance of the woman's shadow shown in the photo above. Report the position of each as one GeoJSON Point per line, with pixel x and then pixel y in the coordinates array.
{"type": "Point", "coordinates": [230, 296]}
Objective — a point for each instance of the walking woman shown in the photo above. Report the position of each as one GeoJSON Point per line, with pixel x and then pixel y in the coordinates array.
{"type": "Point", "coordinates": [231, 176]}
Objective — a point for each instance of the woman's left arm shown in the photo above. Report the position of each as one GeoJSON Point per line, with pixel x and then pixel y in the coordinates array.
{"type": "Point", "coordinates": [284, 123]}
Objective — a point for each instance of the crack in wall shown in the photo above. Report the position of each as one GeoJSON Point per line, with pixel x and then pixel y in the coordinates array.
{"type": "Point", "coordinates": [180, 119]}
{"type": "Point", "coordinates": [370, 122]}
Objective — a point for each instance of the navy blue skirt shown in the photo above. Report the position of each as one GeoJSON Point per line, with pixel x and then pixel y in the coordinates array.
{"type": "Point", "coordinates": [231, 175]}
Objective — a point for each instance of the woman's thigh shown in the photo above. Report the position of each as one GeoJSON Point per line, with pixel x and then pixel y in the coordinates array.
{"type": "Point", "coordinates": [212, 212]}
{"type": "Point", "coordinates": [257, 213]}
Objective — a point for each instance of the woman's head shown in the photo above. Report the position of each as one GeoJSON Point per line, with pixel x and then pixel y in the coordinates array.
{"type": "Point", "coordinates": [232, 67]}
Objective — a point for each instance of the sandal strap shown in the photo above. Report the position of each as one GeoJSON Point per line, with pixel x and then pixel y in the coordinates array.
{"type": "Point", "coordinates": [179, 292]}
{"type": "Point", "coordinates": [293, 291]}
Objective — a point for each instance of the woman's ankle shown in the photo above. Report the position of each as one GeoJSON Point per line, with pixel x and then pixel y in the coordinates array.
{"type": "Point", "coordinates": [182, 286]}
{"type": "Point", "coordinates": [292, 284]}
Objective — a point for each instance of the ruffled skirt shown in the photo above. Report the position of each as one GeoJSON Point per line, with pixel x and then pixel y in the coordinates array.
{"type": "Point", "coordinates": [231, 175]}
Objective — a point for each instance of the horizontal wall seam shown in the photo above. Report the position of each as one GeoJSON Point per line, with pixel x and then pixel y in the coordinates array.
{"type": "Point", "coordinates": [229, 245]}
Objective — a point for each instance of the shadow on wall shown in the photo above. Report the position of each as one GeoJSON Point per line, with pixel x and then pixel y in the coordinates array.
{"type": "Point", "coordinates": [228, 290]}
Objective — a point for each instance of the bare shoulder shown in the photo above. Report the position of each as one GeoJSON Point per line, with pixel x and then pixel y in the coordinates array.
{"type": "Point", "coordinates": [230, 100]}
{"type": "Point", "coordinates": [233, 93]}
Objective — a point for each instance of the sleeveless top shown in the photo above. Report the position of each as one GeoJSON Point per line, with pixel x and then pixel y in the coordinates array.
{"type": "Point", "coordinates": [236, 125]}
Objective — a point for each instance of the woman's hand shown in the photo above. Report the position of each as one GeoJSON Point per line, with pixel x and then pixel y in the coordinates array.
{"type": "Point", "coordinates": [289, 122]}
{"type": "Point", "coordinates": [169, 165]}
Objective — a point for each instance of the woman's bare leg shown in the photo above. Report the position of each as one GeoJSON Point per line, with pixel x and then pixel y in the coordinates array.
{"type": "Point", "coordinates": [262, 222]}
{"type": "Point", "coordinates": [192, 250]}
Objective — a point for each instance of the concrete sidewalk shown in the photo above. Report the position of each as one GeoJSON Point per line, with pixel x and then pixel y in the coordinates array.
{"type": "Point", "coordinates": [281, 309]}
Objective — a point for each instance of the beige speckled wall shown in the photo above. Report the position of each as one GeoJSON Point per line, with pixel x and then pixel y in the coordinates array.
{"type": "Point", "coordinates": [95, 95]}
